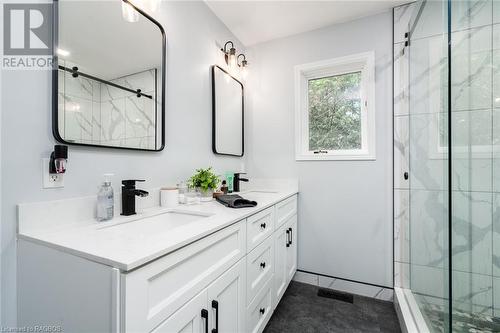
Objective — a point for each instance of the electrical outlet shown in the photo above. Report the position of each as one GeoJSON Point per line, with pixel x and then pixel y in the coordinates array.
{"type": "Point", "coordinates": [51, 180]}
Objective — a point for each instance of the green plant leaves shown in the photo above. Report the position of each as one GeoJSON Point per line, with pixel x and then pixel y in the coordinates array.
{"type": "Point", "coordinates": [204, 179]}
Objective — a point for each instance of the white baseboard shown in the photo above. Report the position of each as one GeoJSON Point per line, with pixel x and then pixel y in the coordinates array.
{"type": "Point", "coordinates": [357, 288]}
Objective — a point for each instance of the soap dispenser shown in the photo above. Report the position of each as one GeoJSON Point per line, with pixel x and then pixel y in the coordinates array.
{"type": "Point", "coordinates": [105, 200]}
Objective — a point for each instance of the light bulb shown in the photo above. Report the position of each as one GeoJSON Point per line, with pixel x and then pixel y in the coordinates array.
{"type": "Point", "coordinates": [244, 72]}
{"type": "Point", "coordinates": [129, 13]}
{"type": "Point", "coordinates": [153, 5]}
{"type": "Point", "coordinates": [62, 53]}
{"type": "Point", "coordinates": [244, 69]}
{"type": "Point", "coordinates": [231, 61]}
{"type": "Point", "coordinates": [149, 6]}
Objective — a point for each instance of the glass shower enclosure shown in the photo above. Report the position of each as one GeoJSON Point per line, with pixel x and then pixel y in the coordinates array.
{"type": "Point", "coordinates": [454, 164]}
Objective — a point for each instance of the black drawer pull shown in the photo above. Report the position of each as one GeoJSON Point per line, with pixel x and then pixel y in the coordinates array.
{"type": "Point", "coordinates": [262, 311]}
{"type": "Point", "coordinates": [406, 175]}
{"type": "Point", "coordinates": [263, 264]}
{"type": "Point", "coordinates": [263, 225]}
{"type": "Point", "coordinates": [291, 235]}
{"type": "Point", "coordinates": [204, 314]}
{"type": "Point", "coordinates": [215, 305]}
{"type": "Point", "coordinates": [287, 238]}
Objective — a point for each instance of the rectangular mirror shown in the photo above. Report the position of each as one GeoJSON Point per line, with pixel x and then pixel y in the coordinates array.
{"type": "Point", "coordinates": [227, 113]}
{"type": "Point", "coordinates": [108, 86]}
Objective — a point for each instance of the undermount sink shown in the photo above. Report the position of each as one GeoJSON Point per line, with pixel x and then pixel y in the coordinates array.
{"type": "Point", "coordinates": [170, 219]}
{"type": "Point", "coordinates": [259, 192]}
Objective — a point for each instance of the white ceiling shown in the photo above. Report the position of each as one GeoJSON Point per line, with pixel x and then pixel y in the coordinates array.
{"type": "Point", "coordinates": [258, 21]}
{"type": "Point", "coordinates": [102, 43]}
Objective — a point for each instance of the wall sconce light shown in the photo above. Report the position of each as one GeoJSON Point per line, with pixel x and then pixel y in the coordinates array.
{"type": "Point", "coordinates": [243, 65]}
{"type": "Point", "coordinates": [230, 55]}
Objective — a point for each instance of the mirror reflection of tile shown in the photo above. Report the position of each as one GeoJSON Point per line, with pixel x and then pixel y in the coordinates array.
{"type": "Point", "coordinates": [92, 112]}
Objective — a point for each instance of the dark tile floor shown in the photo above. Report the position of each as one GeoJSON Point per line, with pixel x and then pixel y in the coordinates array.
{"type": "Point", "coordinates": [302, 311]}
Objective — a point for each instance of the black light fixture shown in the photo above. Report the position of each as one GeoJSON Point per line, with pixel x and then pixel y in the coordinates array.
{"type": "Point", "coordinates": [243, 65]}
{"type": "Point", "coordinates": [230, 55]}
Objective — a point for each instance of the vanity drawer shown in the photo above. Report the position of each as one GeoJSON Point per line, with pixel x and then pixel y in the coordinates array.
{"type": "Point", "coordinates": [155, 291]}
{"type": "Point", "coordinates": [259, 227]}
{"type": "Point", "coordinates": [285, 209]}
{"type": "Point", "coordinates": [260, 267]}
{"type": "Point", "coordinates": [260, 310]}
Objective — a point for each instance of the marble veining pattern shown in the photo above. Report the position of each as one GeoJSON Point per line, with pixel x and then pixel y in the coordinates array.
{"type": "Point", "coordinates": [471, 61]}
{"type": "Point", "coordinates": [401, 58]}
{"type": "Point", "coordinates": [471, 14]}
{"type": "Point", "coordinates": [401, 275]}
{"type": "Point", "coordinates": [472, 232]}
{"type": "Point", "coordinates": [97, 113]}
{"type": "Point", "coordinates": [401, 226]}
{"type": "Point", "coordinates": [475, 174]}
{"type": "Point", "coordinates": [401, 152]}
{"type": "Point", "coordinates": [402, 16]}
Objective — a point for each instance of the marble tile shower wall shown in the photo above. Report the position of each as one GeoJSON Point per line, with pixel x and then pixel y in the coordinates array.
{"type": "Point", "coordinates": [97, 113]}
{"type": "Point", "coordinates": [421, 262]}
{"type": "Point", "coordinates": [401, 149]}
{"type": "Point", "coordinates": [125, 118]}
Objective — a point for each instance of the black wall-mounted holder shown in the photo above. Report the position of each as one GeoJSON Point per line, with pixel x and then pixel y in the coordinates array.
{"type": "Point", "coordinates": [58, 159]}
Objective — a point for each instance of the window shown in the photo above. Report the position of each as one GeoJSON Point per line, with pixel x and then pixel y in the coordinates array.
{"type": "Point", "coordinates": [335, 117]}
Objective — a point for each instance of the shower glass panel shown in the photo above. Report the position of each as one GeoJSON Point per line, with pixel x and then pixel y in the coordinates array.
{"type": "Point", "coordinates": [454, 130]}
{"type": "Point", "coordinates": [475, 240]}
{"type": "Point", "coordinates": [429, 163]}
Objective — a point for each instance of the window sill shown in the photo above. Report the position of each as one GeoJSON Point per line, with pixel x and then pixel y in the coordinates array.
{"type": "Point", "coordinates": [334, 157]}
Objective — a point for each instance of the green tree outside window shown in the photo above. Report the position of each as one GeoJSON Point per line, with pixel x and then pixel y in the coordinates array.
{"type": "Point", "coordinates": [335, 112]}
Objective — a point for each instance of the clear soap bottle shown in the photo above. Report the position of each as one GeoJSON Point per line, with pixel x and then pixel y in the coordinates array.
{"type": "Point", "coordinates": [105, 200]}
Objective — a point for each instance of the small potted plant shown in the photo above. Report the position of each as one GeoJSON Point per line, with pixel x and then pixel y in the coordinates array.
{"type": "Point", "coordinates": [205, 182]}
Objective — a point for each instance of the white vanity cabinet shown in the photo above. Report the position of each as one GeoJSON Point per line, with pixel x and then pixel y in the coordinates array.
{"type": "Point", "coordinates": [218, 308]}
{"type": "Point", "coordinates": [155, 291]}
{"type": "Point", "coordinates": [229, 281]}
{"type": "Point", "coordinates": [285, 248]}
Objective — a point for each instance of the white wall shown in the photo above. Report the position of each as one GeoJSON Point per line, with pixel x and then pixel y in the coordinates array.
{"type": "Point", "coordinates": [192, 32]}
{"type": "Point", "coordinates": [345, 207]}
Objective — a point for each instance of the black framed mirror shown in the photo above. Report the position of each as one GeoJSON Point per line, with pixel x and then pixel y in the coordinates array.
{"type": "Point", "coordinates": [227, 113]}
{"type": "Point", "coordinates": [108, 82]}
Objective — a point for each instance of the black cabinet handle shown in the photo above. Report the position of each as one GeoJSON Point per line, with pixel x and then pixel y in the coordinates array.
{"type": "Point", "coordinates": [262, 311]}
{"type": "Point", "coordinates": [215, 305]}
{"type": "Point", "coordinates": [291, 235]}
{"type": "Point", "coordinates": [405, 175]}
{"type": "Point", "coordinates": [287, 238]}
{"type": "Point", "coordinates": [204, 314]}
{"type": "Point", "coordinates": [263, 264]}
{"type": "Point", "coordinates": [263, 225]}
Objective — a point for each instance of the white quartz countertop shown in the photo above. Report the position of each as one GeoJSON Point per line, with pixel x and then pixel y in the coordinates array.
{"type": "Point", "coordinates": [129, 242]}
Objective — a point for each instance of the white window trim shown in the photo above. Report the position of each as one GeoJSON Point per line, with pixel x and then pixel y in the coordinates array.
{"type": "Point", "coordinates": [364, 62]}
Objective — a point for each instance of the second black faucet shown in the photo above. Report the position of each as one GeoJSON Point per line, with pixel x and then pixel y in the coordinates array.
{"type": "Point", "coordinates": [237, 180]}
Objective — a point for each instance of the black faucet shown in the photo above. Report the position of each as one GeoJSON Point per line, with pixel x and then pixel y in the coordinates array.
{"type": "Point", "coordinates": [236, 181]}
{"type": "Point", "coordinates": [128, 196]}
